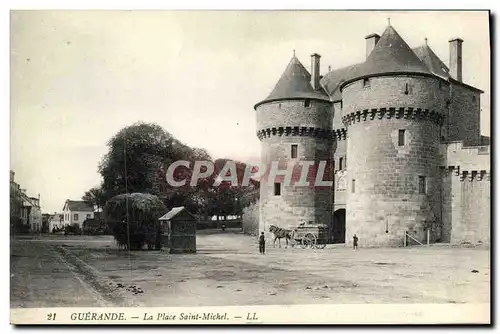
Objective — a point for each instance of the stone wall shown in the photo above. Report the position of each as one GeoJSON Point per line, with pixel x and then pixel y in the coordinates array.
{"type": "Point", "coordinates": [450, 212]}
{"type": "Point", "coordinates": [340, 178]}
{"type": "Point", "coordinates": [467, 157]}
{"type": "Point", "coordinates": [386, 195]}
{"type": "Point", "coordinates": [340, 152]}
{"type": "Point", "coordinates": [474, 204]}
{"type": "Point", "coordinates": [313, 136]}
{"type": "Point", "coordinates": [340, 185]}
{"type": "Point", "coordinates": [250, 219]}
{"type": "Point", "coordinates": [341, 134]}
{"type": "Point", "coordinates": [466, 191]}
{"type": "Point", "coordinates": [386, 202]}
{"type": "Point", "coordinates": [293, 113]}
{"type": "Point", "coordinates": [389, 92]}
{"type": "Point", "coordinates": [463, 119]}
{"type": "Point", "coordinates": [337, 116]}
{"type": "Point", "coordinates": [466, 208]}
{"type": "Point", "coordinates": [296, 203]}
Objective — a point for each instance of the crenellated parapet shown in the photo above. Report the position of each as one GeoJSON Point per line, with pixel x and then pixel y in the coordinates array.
{"type": "Point", "coordinates": [467, 174]}
{"type": "Point", "coordinates": [469, 162]}
{"type": "Point", "coordinates": [340, 134]}
{"type": "Point", "coordinates": [397, 113]}
{"type": "Point", "coordinates": [295, 131]}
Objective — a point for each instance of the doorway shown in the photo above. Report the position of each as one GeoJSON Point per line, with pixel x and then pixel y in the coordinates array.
{"type": "Point", "coordinates": [338, 227]}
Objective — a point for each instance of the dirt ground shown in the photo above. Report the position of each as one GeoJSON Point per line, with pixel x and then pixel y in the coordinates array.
{"type": "Point", "coordinates": [59, 271]}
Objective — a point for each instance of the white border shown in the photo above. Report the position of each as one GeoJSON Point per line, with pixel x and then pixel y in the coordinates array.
{"type": "Point", "coordinates": [186, 4]}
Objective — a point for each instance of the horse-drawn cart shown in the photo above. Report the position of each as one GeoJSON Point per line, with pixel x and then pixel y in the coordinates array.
{"type": "Point", "coordinates": [312, 236]}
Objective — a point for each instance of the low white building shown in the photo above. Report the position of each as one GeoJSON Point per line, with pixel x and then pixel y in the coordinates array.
{"type": "Point", "coordinates": [56, 220]}
{"type": "Point", "coordinates": [76, 212]}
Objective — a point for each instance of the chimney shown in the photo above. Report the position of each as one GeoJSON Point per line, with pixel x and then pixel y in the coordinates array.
{"type": "Point", "coordinates": [371, 41]}
{"type": "Point", "coordinates": [315, 71]}
{"type": "Point", "coordinates": [456, 58]}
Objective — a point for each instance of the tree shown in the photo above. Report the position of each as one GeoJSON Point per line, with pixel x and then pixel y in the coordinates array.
{"type": "Point", "coordinates": [137, 162]}
{"type": "Point", "coordinates": [135, 153]}
{"type": "Point", "coordinates": [141, 154]}
{"type": "Point", "coordinates": [141, 226]}
{"type": "Point", "coordinates": [228, 199]}
{"type": "Point", "coordinates": [96, 197]}
{"type": "Point", "coordinates": [194, 198]}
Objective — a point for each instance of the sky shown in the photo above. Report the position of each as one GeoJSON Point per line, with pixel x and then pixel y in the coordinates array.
{"type": "Point", "coordinates": [78, 77]}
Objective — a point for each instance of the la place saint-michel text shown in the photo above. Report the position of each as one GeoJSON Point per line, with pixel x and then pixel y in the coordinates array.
{"type": "Point", "coordinates": [160, 316]}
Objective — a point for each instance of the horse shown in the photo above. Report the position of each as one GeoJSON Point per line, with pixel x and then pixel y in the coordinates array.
{"type": "Point", "coordinates": [280, 233]}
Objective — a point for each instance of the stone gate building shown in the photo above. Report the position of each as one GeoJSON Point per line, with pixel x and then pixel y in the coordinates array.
{"type": "Point", "coordinates": [401, 133]}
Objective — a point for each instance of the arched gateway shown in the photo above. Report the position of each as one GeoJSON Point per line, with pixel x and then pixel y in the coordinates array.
{"type": "Point", "coordinates": [338, 227]}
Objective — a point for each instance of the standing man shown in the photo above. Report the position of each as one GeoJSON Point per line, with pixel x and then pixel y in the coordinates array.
{"type": "Point", "coordinates": [262, 243]}
{"type": "Point", "coordinates": [355, 242]}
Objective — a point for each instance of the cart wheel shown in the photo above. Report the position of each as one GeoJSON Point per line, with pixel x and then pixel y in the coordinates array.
{"type": "Point", "coordinates": [309, 241]}
{"type": "Point", "coordinates": [314, 240]}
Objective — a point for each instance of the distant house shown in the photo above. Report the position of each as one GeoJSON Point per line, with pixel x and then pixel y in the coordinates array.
{"type": "Point", "coordinates": [76, 212]}
{"type": "Point", "coordinates": [56, 220]}
{"type": "Point", "coordinates": [31, 214]}
{"type": "Point", "coordinates": [25, 211]}
{"type": "Point", "coordinates": [35, 217]}
{"type": "Point", "coordinates": [16, 203]}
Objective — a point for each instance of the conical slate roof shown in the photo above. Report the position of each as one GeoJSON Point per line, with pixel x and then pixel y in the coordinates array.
{"type": "Point", "coordinates": [391, 55]}
{"type": "Point", "coordinates": [432, 61]}
{"type": "Point", "coordinates": [295, 84]}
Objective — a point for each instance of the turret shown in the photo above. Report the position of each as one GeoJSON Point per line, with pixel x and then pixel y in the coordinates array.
{"type": "Point", "coordinates": [393, 108]}
{"type": "Point", "coordinates": [294, 125]}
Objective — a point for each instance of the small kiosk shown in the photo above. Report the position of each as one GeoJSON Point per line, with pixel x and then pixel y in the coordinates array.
{"type": "Point", "coordinates": [179, 230]}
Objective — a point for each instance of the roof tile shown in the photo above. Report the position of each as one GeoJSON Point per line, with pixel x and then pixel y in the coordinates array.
{"type": "Point", "coordinates": [432, 61]}
{"type": "Point", "coordinates": [391, 55]}
{"type": "Point", "coordinates": [174, 212]}
{"type": "Point", "coordinates": [295, 84]}
{"type": "Point", "coordinates": [79, 206]}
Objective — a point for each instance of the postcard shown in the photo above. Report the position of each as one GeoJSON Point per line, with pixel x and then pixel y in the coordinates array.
{"type": "Point", "coordinates": [250, 167]}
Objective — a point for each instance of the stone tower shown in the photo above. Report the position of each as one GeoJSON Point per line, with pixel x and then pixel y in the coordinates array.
{"type": "Point", "coordinates": [393, 108]}
{"type": "Point", "coordinates": [294, 124]}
